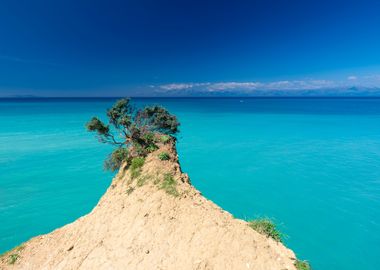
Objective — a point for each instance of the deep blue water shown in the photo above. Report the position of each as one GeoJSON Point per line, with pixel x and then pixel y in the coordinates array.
{"type": "Point", "coordinates": [313, 165]}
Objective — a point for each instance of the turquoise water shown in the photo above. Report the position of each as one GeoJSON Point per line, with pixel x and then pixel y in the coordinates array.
{"type": "Point", "coordinates": [311, 164]}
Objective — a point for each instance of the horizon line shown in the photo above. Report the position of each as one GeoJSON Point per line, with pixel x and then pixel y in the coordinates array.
{"type": "Point", "coordinates": [194, 97]}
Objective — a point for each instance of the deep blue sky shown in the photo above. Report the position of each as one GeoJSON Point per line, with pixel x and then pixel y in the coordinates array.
{"type": "Point", "coordinates": [95, 48]}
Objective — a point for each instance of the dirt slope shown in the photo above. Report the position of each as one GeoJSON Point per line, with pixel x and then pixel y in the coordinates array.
{"type": "Point", "coordinates": [137, 225]}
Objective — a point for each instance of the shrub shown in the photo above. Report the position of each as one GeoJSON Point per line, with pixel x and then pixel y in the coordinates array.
{"type": "Point", "coordinates": [136, 165]}
{"type": "Point", "coordinates": [13, 258]}
{"type": "Point", "coordinates": [267, 227]}
{"type": "Point", "coordinates": [158, 119]}
{"type": "Point", "coordinates": [114, 161]}
{"type": "Point", "coordinates": [132, 129]}
{"type": "Point", "coordinates": [149, 141]}
{"type": "Point", "coordinates": [130, 190]}
{"type": "Point", "coordinates": [164, 139]}
{"type": "Point", "coordinates": [14, 254]}
{"type": "Point", "coordinates": [169, 185]}
{"type": "Point", "coordinates": [151, 148]}
{"type": "Point", "coordinates": [302, 265]}
{"type": "Point", "coordinates": [164, 156]}
{"type": "Point", "coordinates": [137, 150]}
{"type": "Point", "coordinates": [149, 138]}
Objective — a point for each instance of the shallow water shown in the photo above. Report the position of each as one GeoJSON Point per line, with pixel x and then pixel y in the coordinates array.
{"type": "Point", "coordinates": [313, 165]}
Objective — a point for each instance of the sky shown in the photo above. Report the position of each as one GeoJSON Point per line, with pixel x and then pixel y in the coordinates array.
{"type": "Point", "coordinates": [67, 48]}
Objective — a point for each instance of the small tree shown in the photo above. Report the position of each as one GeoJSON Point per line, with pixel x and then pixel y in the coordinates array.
{"type": "Point", "coordinates": [134, 132]}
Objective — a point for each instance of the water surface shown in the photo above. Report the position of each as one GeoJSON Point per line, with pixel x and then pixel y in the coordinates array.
{"type": "Point", "coordinates": [313, 165]}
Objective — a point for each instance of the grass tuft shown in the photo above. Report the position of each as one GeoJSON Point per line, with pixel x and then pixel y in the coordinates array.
{"type": "Point", "coordinates": [13, 258]}
{"type": "Point", "coordinates": [165, 139]}
{"type": "Point", "coordinates": [130, 190]}
{"type": "Point", "coordinates": [151, 148]}
{"type": "Point", "coordinates": [115, 159]}
{"type": "Point", "coordinates": [164, 156]}
{"type": "Point", "coordinates": [169, 184]}
{"type": "Point", "coordinates": [136, 166]}
{"type": "Point", "coordinates": [142, 180]}
{"type": "Point", "coordinates": [302, 265]}
{"type": "Point", "coordinates": [13, 255]}
{"type": "Point", "coordinates": [267, 227]}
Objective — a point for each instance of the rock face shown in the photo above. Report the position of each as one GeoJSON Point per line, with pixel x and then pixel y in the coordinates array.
{"type": "Point", "coordinates": [157, 220]}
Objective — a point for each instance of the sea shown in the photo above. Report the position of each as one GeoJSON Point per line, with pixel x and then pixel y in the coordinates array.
{"type": "Point", "coordinates": [310, 164]}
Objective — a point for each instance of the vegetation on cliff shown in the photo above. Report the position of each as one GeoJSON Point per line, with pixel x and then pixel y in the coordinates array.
{"type": "Point", "coordinates": [135, 132]}
{"type": "Point", "coordinates": [302, 265]}
{"type": "Point", "coordinates": [267, 227]}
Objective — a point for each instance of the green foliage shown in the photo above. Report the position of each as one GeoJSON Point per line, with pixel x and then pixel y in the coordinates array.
{"type": "Point", "coordinates": [164, 139]}
{"type": "Point", "coordinates": [267, 227]}
{"type": "Point", "coordinates": [169, 184]}
{"type": "Point", "coordinates": [158, 119]}
{"type": "Point", "coordinates": [302, 265]}
{"type": "Point", "coordinates": [136, 165]}
{"type": "Point", "coordinates": [15, 255]}
{"type": "Point", "coordinates": [130, 190]}
{"type": "Point", "coordinates": [164, 156]}
{"type": "Point", "coordinates": [138, 149]}
{"type": "Point", "coordinates": [133, 130]}
{"type": "Point", "coordinates": [97, 125]}
{"type": "Point", "coordinates": [116, 159]}
{"type": "Point", "coordinates": [120, 114]}
{"type": "Point", "coordinates": [151, 148]}
{"type": "Point", "coordinates": [102, 130]}
{"type": "Point", "coordinates": [149, 141]}
{"type": "Point", "coordinates": [13, 258]}
{"type": "Point", "coordinates": [149, 138]}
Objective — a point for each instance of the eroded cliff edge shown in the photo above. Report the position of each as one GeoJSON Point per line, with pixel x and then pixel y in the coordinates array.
{"type": "Point", "coordinates": [154, 220]}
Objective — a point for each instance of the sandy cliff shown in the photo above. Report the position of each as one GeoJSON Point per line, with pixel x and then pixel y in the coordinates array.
{"type": "Point", "coordinates": [138, 225]}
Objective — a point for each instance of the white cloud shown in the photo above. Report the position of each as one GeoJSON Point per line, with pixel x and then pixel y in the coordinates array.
{"type": "Point", "coordinates": [176, 86]}
{"type": "Point", "coordinates": [363, 83]}
{"type": "Point", "coordinates": [248, 86]}
{"type": "Point", "coordinates": [232, 85]}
